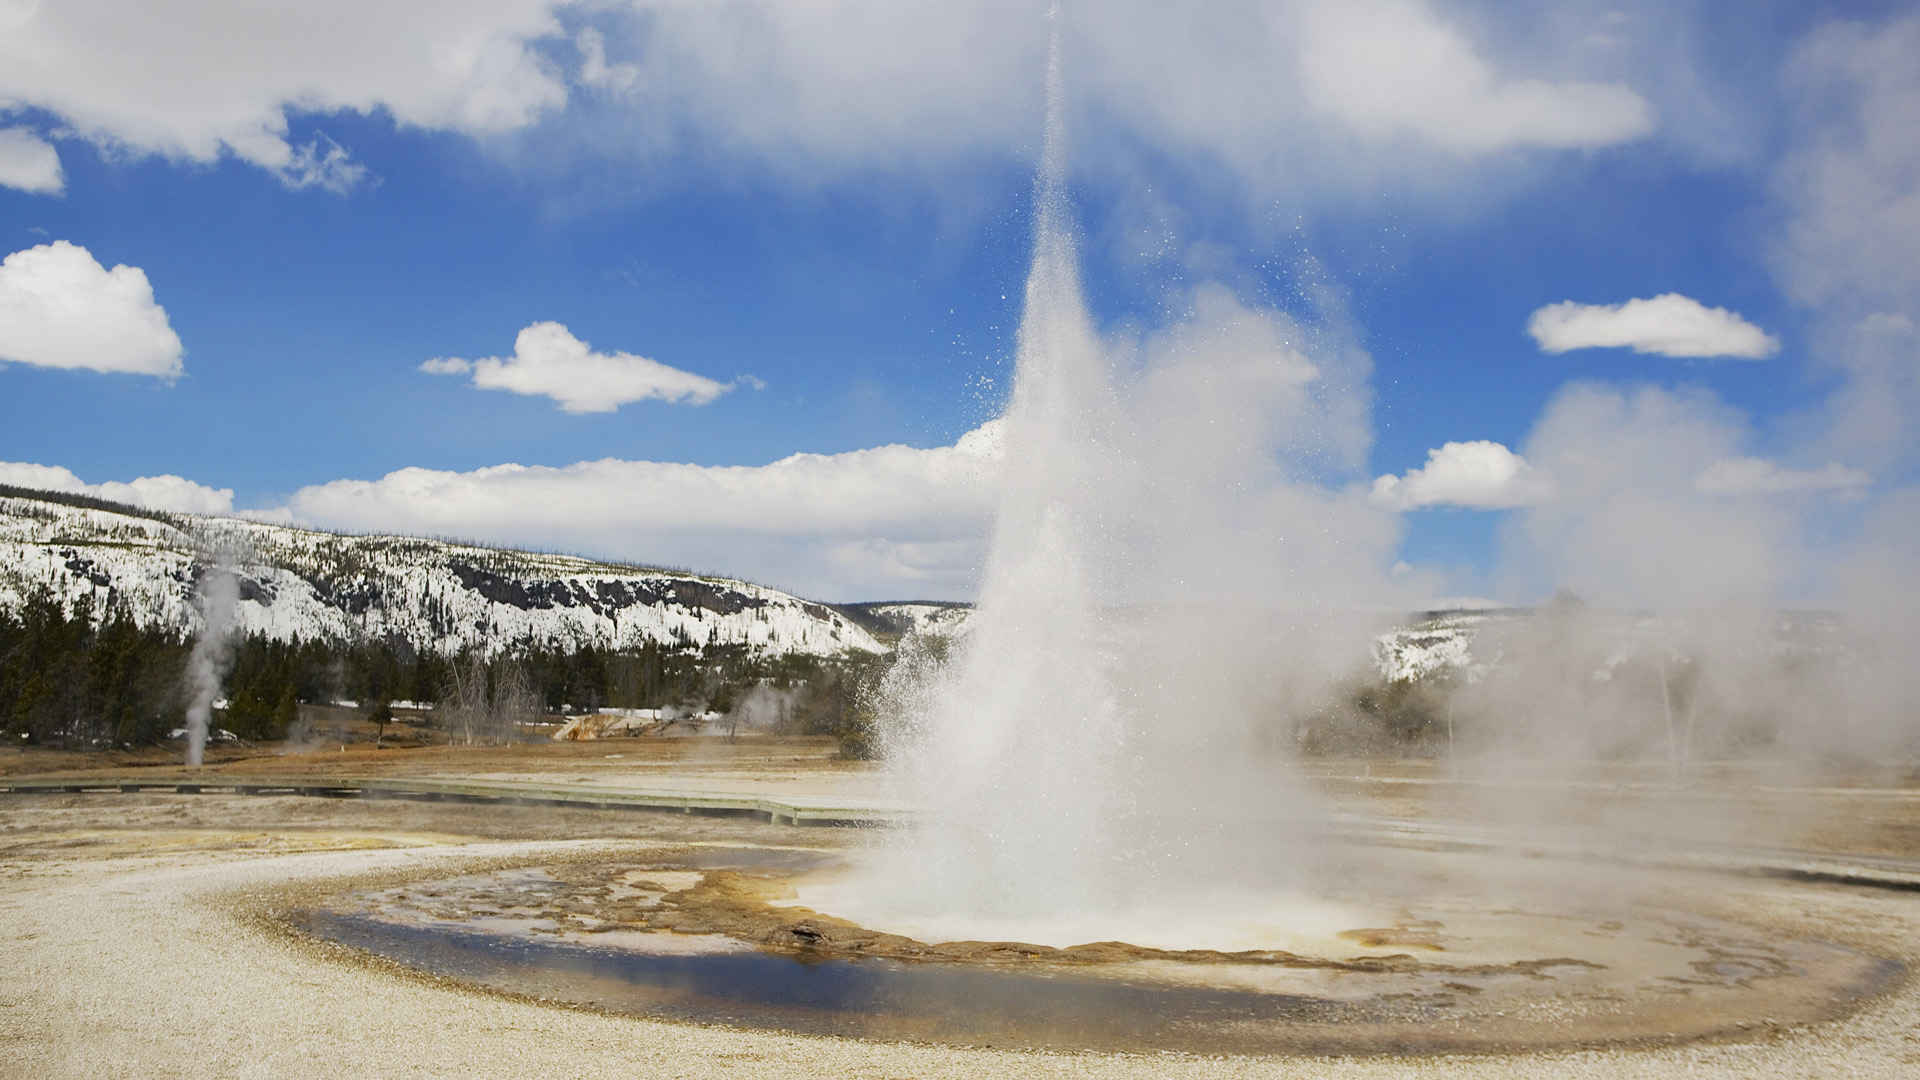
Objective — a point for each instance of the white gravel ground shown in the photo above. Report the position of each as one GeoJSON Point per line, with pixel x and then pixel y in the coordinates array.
{"type": "Point", "coordinates": [140, 965]}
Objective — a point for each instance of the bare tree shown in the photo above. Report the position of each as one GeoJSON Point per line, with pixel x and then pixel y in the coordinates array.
{"type": "Point", "coordinates": [514, 701]}
{"type": "Point", "coordinates": [487, 702]}
{"type": "Point", "coordinates": [464, 707]}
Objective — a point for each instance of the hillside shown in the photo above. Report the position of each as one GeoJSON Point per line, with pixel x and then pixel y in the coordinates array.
{"type": "Point", "coordinates": [892, 620]}
{"type": "Point", "coordinates": [443, 596]}
{"type": "Point", "coordinates": [436, 595]}
{"type": "Point", "coordinates": [1469, 644]}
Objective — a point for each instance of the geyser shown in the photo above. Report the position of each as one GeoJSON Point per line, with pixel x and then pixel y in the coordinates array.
{"type": "Point", "coordinates": [1081, 771]}
{"type": "Point", "coordinates": [215, 593]}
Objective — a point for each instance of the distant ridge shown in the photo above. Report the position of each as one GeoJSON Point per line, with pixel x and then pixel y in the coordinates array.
{"type": "Point", "coordinates": [438, 595]}
{"type": "Point", "coordinates": [894, 619]}
{"type": "Point", "coordinates": [84, 502]}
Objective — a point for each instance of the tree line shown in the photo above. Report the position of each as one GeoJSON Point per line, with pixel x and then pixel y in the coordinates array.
{"type": "Point", "coordinates": [83, 678]}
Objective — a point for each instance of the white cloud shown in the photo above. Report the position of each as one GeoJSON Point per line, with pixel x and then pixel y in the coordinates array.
{"type": "Point", "coordinates": [59, 308]}
{"type": "Point", "coordinates": [548, 360]}
{"type": "Point", "coordinates": [1480, 474]}
{"type": "Point", "coordinates": [445, 365]}
{"type": "Point", "coordinates": [1279, 94]}
{"type": "Point", "coordinates": [324, 164]}
{"type": "Point", "coordinates": [166, 492]}
{"type": "Point", "coordinates": [803, 522]}
{"type": "Point", "coordinates": [905, 566]}
{"type": "Point", "coordinates": [190, 81]}
{"type": "Point", "coordinates": [29, 163]}
{"type": "Point", "coordinates": [1388, 68]}
{"type": "Point", "coordinates": [1276, 94]}
{"type": "Point", "coordinates": [1669, 324]}
{"type": "Point", "coordinates": [1758, 476]}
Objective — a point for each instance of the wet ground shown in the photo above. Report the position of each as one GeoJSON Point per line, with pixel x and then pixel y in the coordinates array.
{"type": "Point", "coordinates": [1469, 953]}
{"type": "Point", "coordinates": [111, 903]}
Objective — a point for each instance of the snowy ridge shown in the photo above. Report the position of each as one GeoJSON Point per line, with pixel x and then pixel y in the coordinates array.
{"type": "Point", "coordinates": [1441, 643]}
{"type": "Point", "coordinates": [1469, 644]}
{"type": "Point", "coordinates": [914, 617]}
{"type": "Point", "coordinates": [299, 583]}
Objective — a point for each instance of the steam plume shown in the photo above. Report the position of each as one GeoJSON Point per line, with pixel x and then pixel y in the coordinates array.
{"type": "Point", "coordinates": [1095, 744]}
{"type": "Point", "coordinates": [216, 594]}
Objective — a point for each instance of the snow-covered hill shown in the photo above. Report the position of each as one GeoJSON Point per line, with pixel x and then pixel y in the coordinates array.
{"type": "Point", "coordinates": [437, 595]}
{"type": "Point", "coordinates": [1440, 643]}
{"type": "Point", "coordinates": [1469, 644]}
{"type": "Point", "coordinates": [913, 617]}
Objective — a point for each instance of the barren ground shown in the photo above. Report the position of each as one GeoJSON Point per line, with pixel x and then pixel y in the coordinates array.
{"type": "Point", "coordinates": [134, 941]}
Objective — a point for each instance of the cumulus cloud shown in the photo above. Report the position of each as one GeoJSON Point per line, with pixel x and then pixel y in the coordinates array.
{"type": "Point", "coordinates": [1758, 476]}
{"type": "Point", "coordinates": [1480, 474]}
{"type": "Point", "coordinates": [191, 81]}
{"type": "Point", "coordinates": [29, 163]}
{"type": "Point", "coordinates": [60, 308]}
{"type": "Point", "coordinates": [802, 522]}
{"type": "Point", "coordinates": [549, 361]}
{"type": "Point", "coordinates": [1669, 325]}
{"type": "Point", "coordinates": [166, 492]}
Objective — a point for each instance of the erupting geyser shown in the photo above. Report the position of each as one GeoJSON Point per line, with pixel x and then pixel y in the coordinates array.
{"type": "Point", "coordinates": [1080, 773]}
{"type": "Point", "coordinates": [215, 594]}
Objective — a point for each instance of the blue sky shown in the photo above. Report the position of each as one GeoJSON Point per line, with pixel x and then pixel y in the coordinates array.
{"type": "Point", "coordinates": [822, 211]}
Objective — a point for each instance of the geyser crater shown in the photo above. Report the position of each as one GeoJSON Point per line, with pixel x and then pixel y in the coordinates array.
{"type": "Point", "coordinates": [718, 936]}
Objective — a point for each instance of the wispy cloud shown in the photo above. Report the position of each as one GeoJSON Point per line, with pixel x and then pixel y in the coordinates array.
{"type": "Point", "coordinates": [29, 163]}
{"type": "Point", "coordinates": [1390, 68]}
{"type": "Point", "coordinates": [1758, 476]}
{"type": "Point", "coordinates": [1845, 189]}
